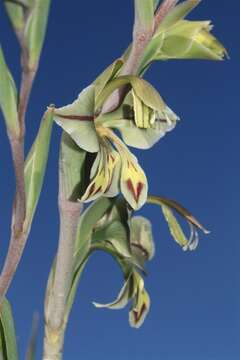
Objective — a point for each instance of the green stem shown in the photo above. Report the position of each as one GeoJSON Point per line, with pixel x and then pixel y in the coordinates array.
{"type": "Point", "coordinates": [57, 295]}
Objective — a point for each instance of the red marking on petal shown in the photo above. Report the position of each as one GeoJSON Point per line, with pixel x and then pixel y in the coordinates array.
{"type": "Point", "coordinates": [77, 117]}
{"type": "Point", "coordinates": [138, 191]}
{"type": "Point", "coordinates": [91, 190]}
{"type": "Point", "coordinates": [138, 315]}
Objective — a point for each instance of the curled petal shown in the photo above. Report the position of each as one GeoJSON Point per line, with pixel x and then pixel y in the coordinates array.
{"type": "Point", "coordinates": [122, 299]}
{"type": "Point", "coordinates": [176, 231]}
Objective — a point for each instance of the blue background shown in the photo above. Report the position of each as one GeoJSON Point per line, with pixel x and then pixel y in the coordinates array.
{"type": "Point", "coordinates": [195, 296]}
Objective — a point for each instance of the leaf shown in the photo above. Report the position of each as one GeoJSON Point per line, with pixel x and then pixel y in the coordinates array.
{"type": "Point", "coordinates": [88, 221]}
{"type": "Point", "coordinates": [8, 336]}
{"type": "Point", "coordinates": [35, 30]}
{"type": "Point", "coordinates": [72, 162]}
{"type": "Point", "coordinates": [15, 13]}
{"type": "Point", "coordinates": [35, 164]}
{"type": "Point", "coordinates": [8, 97]}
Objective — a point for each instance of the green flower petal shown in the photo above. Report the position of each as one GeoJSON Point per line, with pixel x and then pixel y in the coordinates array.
{"type": "Point", "coordinates": [121, 120]}
{"type": "Point", "coordinates": [134, 185]}
{"type": "Point", "coordinates": [77, 120]}
{"type": "Point", "coordinates": [83, 133]}
{"type": "Point", "coordinates": [141, 238]}
{"type": "Point", "coordinates": [140, 309]}
{"type": "Point", "coordinates": [191, 40]}
{"type": "Point", "coordinates": [102, 174]}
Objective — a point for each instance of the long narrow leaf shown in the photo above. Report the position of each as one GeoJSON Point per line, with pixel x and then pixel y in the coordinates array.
{"type": "Point", "coordinates": [35, 164]}
{"type": "Point", "coordinates": [9, 343]}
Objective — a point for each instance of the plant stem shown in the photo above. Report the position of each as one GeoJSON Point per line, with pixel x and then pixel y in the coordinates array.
{"type": "Point", "coordinates": [57, 298]}
{"type": "Point", "coordinates": [19, 234]}
{"type": "Point", "coordinates": [163, 10]}
{"type": "Point", "coordinates": [141, 38]}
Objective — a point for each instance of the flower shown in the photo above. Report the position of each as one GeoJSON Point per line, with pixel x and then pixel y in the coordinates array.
{"type": "Point", "coordinates": [142, 119]}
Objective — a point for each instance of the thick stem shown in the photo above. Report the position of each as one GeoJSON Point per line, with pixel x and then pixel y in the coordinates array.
{"type": "Point", "coordinates": [53, 344]}
{"type": "Point", "coordinates": [55, 308]}
{"type": "Point", "coordinates": [69, 218]}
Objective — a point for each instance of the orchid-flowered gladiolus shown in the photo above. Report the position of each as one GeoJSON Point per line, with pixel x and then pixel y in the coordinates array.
{"type": "Point", "coordinates": [142, 119]}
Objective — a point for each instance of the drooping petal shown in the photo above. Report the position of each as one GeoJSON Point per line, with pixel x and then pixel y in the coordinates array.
{"type": "Point", "coordinates": [122, 299]}
{"type": "Point", "coordinates": [176, 231]}
{"type": "Point", "coordinates": [133, 181]}
{"type": "Point", "coordinates": [134, 185]}
{"type": "Point", "coordinates": [140, 309]}
{"type": "Point", "coordinates": [141, 302]}
{"type": "Point", "coordinates": [77, 120]}
{"type": "Point", "coordinates": [102, 174]}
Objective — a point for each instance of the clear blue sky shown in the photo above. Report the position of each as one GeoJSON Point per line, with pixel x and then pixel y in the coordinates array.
{"type": "Point", "coordinates": [195, 296]}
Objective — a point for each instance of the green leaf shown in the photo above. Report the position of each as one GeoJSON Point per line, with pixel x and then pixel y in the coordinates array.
{"type": "Point", "coordinates": [7, 331]}
{"type": "Point", "coordinates": [35, 30]}
{"type": "Point", "coordinates": [88, 221]}
{"type": "Point", "coordinates": [72, 161]}
{"type": "Point", "coordinates": [15, 13]}
{"type": "Point", "coordinates": [35, 164]}
{"type": "Point", "coordinates": [77, 120]}
{"type": "Point", "coordinates": [8, 97]}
